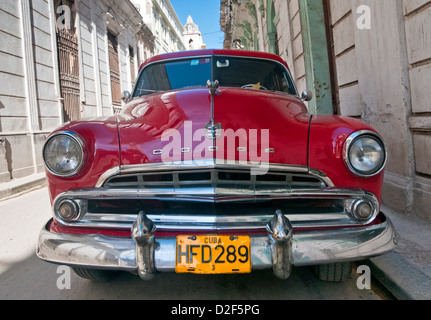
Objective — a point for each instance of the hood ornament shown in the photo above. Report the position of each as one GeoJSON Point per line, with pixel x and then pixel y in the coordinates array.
{"type": "Point", "coordinates": [213, 129]}
{"type": "Point", "coordinates": [213, 86]}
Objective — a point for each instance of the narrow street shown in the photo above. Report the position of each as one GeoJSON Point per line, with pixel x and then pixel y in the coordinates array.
{"type": "Point", "coordinates": [23, 276]}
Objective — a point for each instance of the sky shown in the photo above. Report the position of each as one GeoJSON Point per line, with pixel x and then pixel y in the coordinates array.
{"type": "Point", "coordinates": [206, 14]}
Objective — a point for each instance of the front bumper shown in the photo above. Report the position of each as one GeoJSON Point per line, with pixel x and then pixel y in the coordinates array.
{"type": "Point", "coordinates": [280, 249]}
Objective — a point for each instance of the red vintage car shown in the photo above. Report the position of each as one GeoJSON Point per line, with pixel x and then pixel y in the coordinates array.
{"type": "Point", "coordinates": [214, 166]}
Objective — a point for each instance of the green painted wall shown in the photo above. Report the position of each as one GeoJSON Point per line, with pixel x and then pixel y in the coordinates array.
{"type": "Point", "coordinates": [316, 56]}
{"type": "Point", "coordinates": [271, 28]}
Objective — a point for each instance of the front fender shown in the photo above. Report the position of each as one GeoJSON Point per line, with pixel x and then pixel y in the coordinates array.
{"type": "Point", "coordinates": [101, 149]}
{"type": "Point", "coordinates": [328, 135]}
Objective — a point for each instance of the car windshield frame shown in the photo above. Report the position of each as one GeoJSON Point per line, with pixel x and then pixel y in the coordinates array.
{"type": "Point", "coordinates": [213, 63]}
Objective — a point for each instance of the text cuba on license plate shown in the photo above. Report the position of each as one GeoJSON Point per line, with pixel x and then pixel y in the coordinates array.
{"type": "Point", "coordinates": [213, 254]}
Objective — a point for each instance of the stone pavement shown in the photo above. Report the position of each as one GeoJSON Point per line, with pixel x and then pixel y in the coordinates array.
{"type": "Point", "coordinates": [405, 272]}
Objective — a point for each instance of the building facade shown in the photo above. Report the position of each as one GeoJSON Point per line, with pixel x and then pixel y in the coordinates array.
{"type": "Point", "coordinates": [365, 59]}
{"type": "Point", "coordinates": [192, 36]}
{"type": "Point", "coordinates": [64, 60]}
{"type": "Point", "coordinates": [162, 20]}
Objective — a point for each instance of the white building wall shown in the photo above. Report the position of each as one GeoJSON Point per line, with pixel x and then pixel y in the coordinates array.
{"type": "Point", "coordinates": [382, 76]}
{"type": "Point", "coordinates": [29, 95]}
{"type": "Point", "coordinates": [163, 21]}
{"type": "Point", "coordinates": [418, 36]}
{"type": "Point", "coordinates": [94, 26]}
{"type": "Point", "coordinates": [343, 22]}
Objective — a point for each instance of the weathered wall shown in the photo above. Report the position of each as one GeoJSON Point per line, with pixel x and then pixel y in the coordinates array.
{"type": "Point", "coordinates": [297, 56]}
{"type": "Point", "coordinates": [384, 95]}
{"type": "Point", "coordinates": [29, 106]}
{"type": "Point", "coordinates": [417, 15]}
{"type": "Point", "coordinates": [30, 97]}
{"type": "Point", "coordinates": [94, 25]}
{"type": "Point", "coordinates": [163, 21]}
{"type": "Point", "coordinates": [382, 75]}
{"type": "Point", "coordinates": [343, 22]}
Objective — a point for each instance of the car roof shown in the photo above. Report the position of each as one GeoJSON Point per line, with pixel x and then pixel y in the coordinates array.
{"type": "Point", "coordinates": [209, 52]}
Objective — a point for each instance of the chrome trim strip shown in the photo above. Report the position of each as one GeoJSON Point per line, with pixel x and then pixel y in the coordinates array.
{"type": "Point", "coordinates": [105, 176]}
{"type": "Point", "coordinates": [322, 176]}
{"type": "Point", "coordinates": [207, 164]}
{"type": "Point", "coordinates": [113, 194]}
{"type": "Point", "coordinates": [308, 248]}
{"type": "Point", "coordinates": [213, 222]}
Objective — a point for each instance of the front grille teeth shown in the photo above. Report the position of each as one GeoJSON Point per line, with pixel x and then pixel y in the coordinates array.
{"type": "Point", "coordinates": [215, 178]}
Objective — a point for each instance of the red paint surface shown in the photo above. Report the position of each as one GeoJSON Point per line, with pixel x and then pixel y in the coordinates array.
{"type": "Point", "coordinates": [185, 112]}
{"type": "Point", "coordinates": [149, 120]}
{"type": "Point", "coordinates": [283, 116]}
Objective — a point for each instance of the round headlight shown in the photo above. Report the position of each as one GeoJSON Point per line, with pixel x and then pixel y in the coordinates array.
{"type": "Point", "coordinates": [63, 154]}
{"type": "Point", "coordinates": [365, 154]}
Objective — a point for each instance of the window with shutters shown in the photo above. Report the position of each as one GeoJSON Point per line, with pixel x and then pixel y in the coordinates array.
{"type": "Point", "coordinates": [114, 69]}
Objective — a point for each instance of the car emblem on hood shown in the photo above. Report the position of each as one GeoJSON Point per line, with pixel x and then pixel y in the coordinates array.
{"type": "Point", "coordinates": [213, 130]}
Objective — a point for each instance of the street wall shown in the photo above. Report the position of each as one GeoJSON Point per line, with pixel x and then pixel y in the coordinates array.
{"type": "Point", "coordinates": [30, 96]}
{"type": "Point", "coordinates": [29, 105]}
{"type": "Point", "coordinates": [379, 57]}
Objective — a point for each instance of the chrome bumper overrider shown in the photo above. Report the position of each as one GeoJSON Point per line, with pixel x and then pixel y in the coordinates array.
{"type": "Point", "coordinates": [279, 249]}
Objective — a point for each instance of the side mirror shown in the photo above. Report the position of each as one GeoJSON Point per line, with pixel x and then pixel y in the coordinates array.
{"type": "Point", "coordinates": [126, 96]}
{"type": "Point", "coordinates": [307, 95]}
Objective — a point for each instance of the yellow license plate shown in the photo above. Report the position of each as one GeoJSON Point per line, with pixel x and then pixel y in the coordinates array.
{"type": "Point", "coordinates": [213, 254]}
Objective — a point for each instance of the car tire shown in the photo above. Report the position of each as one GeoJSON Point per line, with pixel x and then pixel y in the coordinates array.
{"type": "Point", "coordinates": [96, 275]}
{"type": "Point", "coordinates": [334, 272]}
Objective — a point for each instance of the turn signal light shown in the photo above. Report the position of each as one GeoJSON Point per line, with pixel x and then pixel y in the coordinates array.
{"type": "Point", "coordinates": [363, 210]}
{"type": "Point", "coordinates": [68, 210]}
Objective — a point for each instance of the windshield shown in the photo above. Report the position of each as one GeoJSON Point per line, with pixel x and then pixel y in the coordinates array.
{"type": "Point", "coordinates": [240, 72]}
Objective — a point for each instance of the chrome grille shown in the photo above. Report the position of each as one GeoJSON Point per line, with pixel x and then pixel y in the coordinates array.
{"type": "Point", "coordinates": [235, 180]}
{"type": "Point", "coordinates": [208, 197]}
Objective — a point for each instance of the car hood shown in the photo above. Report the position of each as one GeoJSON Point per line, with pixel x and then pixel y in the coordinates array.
{"type": "Point", "coordinates": [251, 125]}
